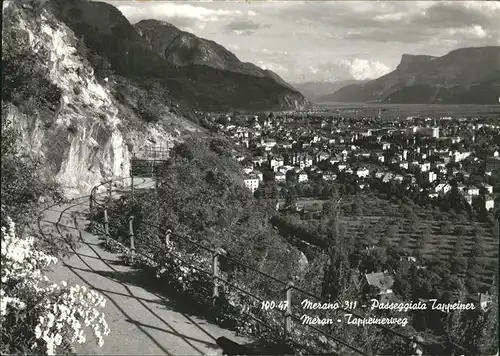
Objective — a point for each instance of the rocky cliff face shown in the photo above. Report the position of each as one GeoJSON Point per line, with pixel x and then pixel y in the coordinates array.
{"type": "Point", "coordinates": [85, 137]}
{"type": "Point", "coordinates": [463, 76]}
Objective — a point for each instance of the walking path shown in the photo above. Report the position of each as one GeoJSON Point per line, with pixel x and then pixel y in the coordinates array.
{"type": "Point", "coordinates": [142, 322]}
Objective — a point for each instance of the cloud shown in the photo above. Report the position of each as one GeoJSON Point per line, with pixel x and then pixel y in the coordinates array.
{"type": "Point", "coordinates": [169, 10]}
{"type": "Point", "coordinates": [475, 31]}
{"type": "Point", "coordinates": [183, 22]}
{"type": "Point", "coordinates": [361, 69]}
{"type": "Point", "coordinates": [447, 14]}
{"type": "Point", "coordinates": [244, 26]}
{"type": "Point", "coordinates": [397, 16]}
{"type": "Point", "coordinates": [273, 66]}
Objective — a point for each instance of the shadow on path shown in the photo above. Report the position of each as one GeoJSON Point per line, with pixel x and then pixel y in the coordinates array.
{"type": "Point", "coordinates": [99, 269]}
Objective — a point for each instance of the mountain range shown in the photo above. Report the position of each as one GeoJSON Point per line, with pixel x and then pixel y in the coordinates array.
{"type": "Point", "coordinates": [313, 90]}
{"type": "Point", "coordinates": [463, 76]}
{"type": "Point", "coordinates": [198, 73]}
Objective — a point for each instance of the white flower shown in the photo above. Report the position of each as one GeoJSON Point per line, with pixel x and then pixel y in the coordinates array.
{"type": "Point", "coordinates": [58, 310]}
{"type": "Point", "coordinates": [58, 339]}
{"type": "Point", "coordinates": [81, 338]}
{"type": "Point", "coordinates": [38, 332]}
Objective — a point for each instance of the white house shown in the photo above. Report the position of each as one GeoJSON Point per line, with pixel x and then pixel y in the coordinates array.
{"type": "Point", "coordinates": [335, 159]}
{"type": "Point", "coordinates": [446, 188]}
{"type": "Point", "coordinates": [259, 175]}
{"type": "Point", "coordinates": [276, 162]}
{"type": "Point", "coordinates": [362, 172]}
{"type": "Point", "coordinates": [473, 190]}
{"type": "Point", "coordinates": [329, 176]}
{"type": "Point", "coordinates": [302, 176]}
{"type": "Point", "coordinates": [489, 203]}
{"type": "Point", "coordinates": [425, 167]}
{"type": "Point", "coordinates": [459, 156]}
{"type": "Point", "coordinates": [284, 169]}
{"type": "Point", "coordinates": [248, 169]}
{"type": "Point", "coordinates": [252, 182]}
{"type": "Point", "coordinates": [258, 160]}
{"type": "Point", "coordinates": [431, 176]}
{"type": "Point", "coordinates": [405, 155]}
{"type": "Point", "coordinates": [280, 177]}
{"type": "Point", "coordinates": [268, 143]}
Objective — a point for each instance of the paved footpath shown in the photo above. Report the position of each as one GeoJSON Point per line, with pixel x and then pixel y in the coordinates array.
{"type": "Point", "coordinates": [142, 322]}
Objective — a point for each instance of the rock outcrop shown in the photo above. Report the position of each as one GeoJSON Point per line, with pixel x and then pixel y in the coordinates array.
{"type": "Point", "coordinates": [84, 138]}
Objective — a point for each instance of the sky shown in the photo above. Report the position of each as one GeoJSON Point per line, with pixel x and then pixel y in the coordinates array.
{"type": "Point", "coordinates": [328, 40]}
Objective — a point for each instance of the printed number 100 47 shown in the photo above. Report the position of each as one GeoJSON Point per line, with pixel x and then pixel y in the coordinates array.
{"type": "Point", "coordinates": [271, 304]}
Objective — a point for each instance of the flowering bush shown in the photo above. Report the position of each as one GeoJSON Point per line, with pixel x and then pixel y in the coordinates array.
{"type": "Point", "coordinates": [37, 316]}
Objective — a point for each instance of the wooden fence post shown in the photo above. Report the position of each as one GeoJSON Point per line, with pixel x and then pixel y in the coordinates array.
{"type": "Point", "coordinates": [106, 223]}
{"type": "Point", "coordinates": [91, 203]}
{"type": "Point", "coordinates": [131, 232]}
{"type": "Point", "coordinates": [215, 273]}
{"type": "Point", "coordinates": [288, 310]}
{"type": "Point", "coordinates": [132, 182]}
{"type": "Point", "coordinates": [167, 237]}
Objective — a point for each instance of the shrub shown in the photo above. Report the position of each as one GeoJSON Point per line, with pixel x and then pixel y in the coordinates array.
{"type": "Point", "coordinates": [149, 108]}
{"type": "Point", "coordinates": [39, 317]}
{"type": "Point", "coordinates": [24, 76]}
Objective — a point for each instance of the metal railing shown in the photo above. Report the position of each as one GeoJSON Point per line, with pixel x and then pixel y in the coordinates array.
{"type": "Point", "coordinates": [214, 273]}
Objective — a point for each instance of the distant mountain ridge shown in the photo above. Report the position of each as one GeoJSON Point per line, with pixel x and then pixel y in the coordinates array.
{"type": "Point", "coordinates": [198, 73]}
{"type": "Point", "coordinates": [181, 49]}
{"type": "Point", "coordinates": [315, 90]}
{"type": "Point", "coordinates": [463, 76]}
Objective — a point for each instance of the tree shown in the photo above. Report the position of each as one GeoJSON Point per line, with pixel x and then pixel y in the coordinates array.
{"type": "Point", "coordinates": [25, 76]}
{"type": "Point", "coordinates": [328, 208]}
{"type": "Point", "coordinates": [488, 339]}
{"type": "Point", "coordinates": [291, 176]}
{"type": "Point", "coordinates": [290, 198]}
{"type": "Point", "coordinates": [149, 107]}
{"type": "Point", "coordinates": [403, 242]}
{"type": "Point", "coordinates": [459, 230]}
{"type": "Point", "coordinates": [392, 231]}
{"type": "Point", "coordinates": [221, 146]}
{"type": "Point", "coordinates": [356, 208]}
{"type": "Point", "coordinates": [446, 228]}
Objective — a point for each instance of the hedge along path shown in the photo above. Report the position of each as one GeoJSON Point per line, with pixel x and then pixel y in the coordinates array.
{"type": "Point", "coordinates": [142, 322]}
